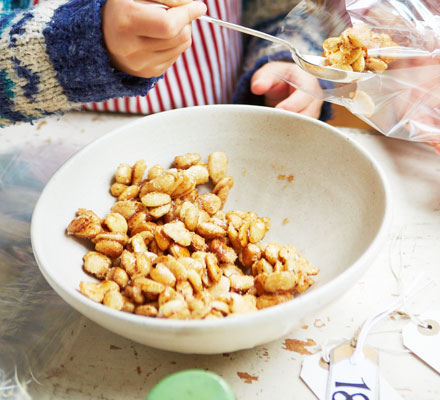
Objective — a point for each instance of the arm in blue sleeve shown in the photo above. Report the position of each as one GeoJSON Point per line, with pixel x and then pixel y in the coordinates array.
{"type": "Point", "coordinates": [54, 59]}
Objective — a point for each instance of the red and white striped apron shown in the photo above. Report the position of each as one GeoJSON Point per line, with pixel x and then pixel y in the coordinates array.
{"type": "Point", "coordinates": [205, 74]}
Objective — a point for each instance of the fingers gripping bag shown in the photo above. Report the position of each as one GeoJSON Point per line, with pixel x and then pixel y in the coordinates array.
{"type": "Point", "coordinates": [394, 44]}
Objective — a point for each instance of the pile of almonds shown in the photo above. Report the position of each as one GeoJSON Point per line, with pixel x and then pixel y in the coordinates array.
{"type": "Point", "coordinates": [165, 250]}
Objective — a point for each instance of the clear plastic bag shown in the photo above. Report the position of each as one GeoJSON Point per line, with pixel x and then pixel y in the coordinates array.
{"type": "Point", "coordinates": [35, 323]}
{"type": "Point", "coordinates": [401, 102]}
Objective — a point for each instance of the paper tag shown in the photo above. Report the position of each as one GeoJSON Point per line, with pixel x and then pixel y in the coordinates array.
{"type": "Point", "coordinates": [425, 342]}
{"type": "Point", "coordinates": [349, 380]}
{"type": "Point", "coordinates": [314, 373]}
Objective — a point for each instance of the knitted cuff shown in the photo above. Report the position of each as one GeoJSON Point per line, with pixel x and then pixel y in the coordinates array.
{"type": "Point", "coordinates": [75, 46]}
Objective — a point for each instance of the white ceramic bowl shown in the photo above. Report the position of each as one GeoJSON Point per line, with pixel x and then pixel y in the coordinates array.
{"type": "Point", "coordinates": [337, 208]}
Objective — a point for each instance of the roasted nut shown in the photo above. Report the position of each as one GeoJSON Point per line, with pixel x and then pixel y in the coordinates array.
{"type": "Point", "coordinates": [128, 305]}
{"type": "Point", "coordinates": [217, 166]}
{"type": "Point", "coordinates": [167, 295]}
{"type": "Point", "coordinates": [359, 65]}
{"type": "Point", "coordinates": [269, 300]}
{"type": "Point", "coordinates": [119, 237]}
{"type": "Point", "coordinates": [136, 264]}
{"type": "Point", "coordinates": [141, 217]}
{"type": "Point", "coordinates": [288, 253]}
{"type": "Point", "coordinates": [186, 185]}
{"type": "Point", "coordinates": [187, 160]}
{"type": "Point", "coordinates": [130, 192]}
{"type": "Point", "coordinates": [138, 244]}
{"type": "Point", "coordinates": [241, 283]}
{"type": "Point", "coordinates": [198, 173]}
{"type": "Point", "coordinates": [110, 248]}
{"type": "Point", "coordinates": [214, 271]}
{"type": "Point", "coordinates": [85, 225]}
{"type": "Point", "coordinates": [210, 231]}
{"type": "Point", "coordinates": [185, 289]}
{"type": "Point", "coordinates": [127, 208]}
{"type": "Point", "coordinates": [160, 211]}
{"type": "Point", "coordinates": [177, 250]}
{"type": "Point", "coordinates": [189, 213]}
{"type": "Point", "coordinates": [155, 171]}
{"type": "Point", "coordinates": [220, 290]}
{"type": "Point", "coordinates": [176, 309]}
{"type": "Point", "coordinates": [119, 276]}
{"type": "Point", "coordinates": [257, 230]}
{"type": "Point", "coordinates": [199, 308]}
{"type": "Point", "coordinates": [195, 280]}
{"type": "Point", "coordinates": [113, 299]}
{"type": "Point", "coordinates": [275, 282]}
{"type": "Point", "coordinates": [198, 243]}
{"type": "Point", "coordinates": [123, 174]}
{"type": "Point", "coordinates": [249, 255]}
{"type": "Point", "coordinates": [96, 291]}
{"type": "Point", "coordinates": [233, 237]}
{"type": "Point", "coordinates": [243, 234]}
{"type": "Point", "coordinates": [235, 219]}
{"type": "Point", "coordinates": [116, 223]}
{"type": "Point", "coordinates": [145, 231]}
{"type": "Point", "coordinates": [138, 172]}
{"type": "Point", "coordinates": [243, 304]}
{"type": "Point", "coordinates": [117, 188]}
{"type": "Point", "coordinates": [135, 293]}
{"type": "Point", "coordinates": [148, 286]}
{"type": "Point", "coordinates": [177, 268]}
{"type": "Point", "coordinates": [163, 183]}
{"type": "Point", "coordinates": [220, 306]}
{"type": "Point", "coordinates": [96, 264]}
{"type": "Point", "coordinates": [210, 203]}
{"type": "Point", "coordinates": [271, 252]}
{"type": "Point", "coordinates": [223, 252]}
{"type": "Point", "coordinates": [332, 44]}
{"type": "Point", "coordinates": [162, 240]}
{"type": "Point", "coordinates": [230, 269]}
{"type": "Point", "coordinates": [160, 273]}
{"type": "Point", "coordinates": [178, 232]}
{"type": "Point", "coordinates": [222, 188]}
{"type": "Point", "coordinates": [147, 310]}
{"type": "Point", "coordinates": [375, 64]}
{"type": "Point", "coordinates": [262, 266]}
{"type": "Point", "coordinates": [156, 199]}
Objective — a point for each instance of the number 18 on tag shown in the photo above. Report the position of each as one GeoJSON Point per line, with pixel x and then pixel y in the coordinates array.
{"type": "Point", "coordinates": [353, 378]}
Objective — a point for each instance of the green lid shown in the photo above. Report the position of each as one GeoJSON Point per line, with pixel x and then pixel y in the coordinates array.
{"type": "Point", "coordinates": [192, 384]}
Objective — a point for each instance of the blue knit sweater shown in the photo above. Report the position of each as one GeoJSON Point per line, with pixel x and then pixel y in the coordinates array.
{"type": "Point", "coordinates": [53, 58]}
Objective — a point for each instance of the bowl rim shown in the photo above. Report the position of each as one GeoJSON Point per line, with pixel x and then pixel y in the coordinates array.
{"type": "Point", "coordinates": [231, 321]}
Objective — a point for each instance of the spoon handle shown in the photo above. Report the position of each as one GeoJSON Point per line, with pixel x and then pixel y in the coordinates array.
{"type": "Point", "coordinates": [246, 30]}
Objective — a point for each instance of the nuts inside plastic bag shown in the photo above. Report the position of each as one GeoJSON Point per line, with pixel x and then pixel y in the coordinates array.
{"type": "Point", "coordinates": [399, 96]}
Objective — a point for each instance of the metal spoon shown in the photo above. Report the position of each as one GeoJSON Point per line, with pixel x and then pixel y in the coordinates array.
{"type": "Point", "coordinates": [311, 64]}
{"type": "Point", "coordinates": [315, 64]}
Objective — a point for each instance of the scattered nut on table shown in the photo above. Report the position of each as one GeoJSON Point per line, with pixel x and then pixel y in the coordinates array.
{"type": "Point", "coordinates": [166, 251]}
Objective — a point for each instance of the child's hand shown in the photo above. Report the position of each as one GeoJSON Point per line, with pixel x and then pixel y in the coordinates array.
{"type": "Point", "coordinates": [280, 94]}
{"type": "Point", "coordinates": [144, 40]}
